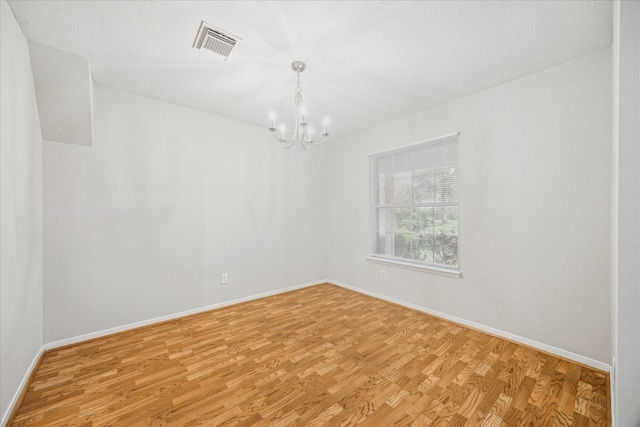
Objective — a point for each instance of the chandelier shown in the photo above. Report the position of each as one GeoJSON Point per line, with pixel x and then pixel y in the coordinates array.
{"type": "Point", "coordinates": [302, 131]}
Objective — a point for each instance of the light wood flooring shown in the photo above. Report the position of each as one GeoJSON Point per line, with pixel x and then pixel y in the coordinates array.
{"type": "Point", "coordinates": [319, 356]}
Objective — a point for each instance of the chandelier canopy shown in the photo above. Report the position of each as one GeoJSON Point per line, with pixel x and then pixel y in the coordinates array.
{"type": "Point", "coordinates": [302, 131]}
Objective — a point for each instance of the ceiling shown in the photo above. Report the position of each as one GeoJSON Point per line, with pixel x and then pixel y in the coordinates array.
{"type": "Point", "coordinates": [367, 62]}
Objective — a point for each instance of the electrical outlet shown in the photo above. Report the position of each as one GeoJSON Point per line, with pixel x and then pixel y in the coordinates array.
{"type": "Point", "coordinates": [383, 274]}
{"type": "Point", "coordinates": [224, 278]}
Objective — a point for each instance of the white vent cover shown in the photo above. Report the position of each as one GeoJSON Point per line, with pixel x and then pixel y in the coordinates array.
{"type": "Point", "coordinates": [215, 40]}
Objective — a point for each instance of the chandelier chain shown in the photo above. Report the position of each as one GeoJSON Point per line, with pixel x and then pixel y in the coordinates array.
{"type": "Point", "coordinates": [298, 97]}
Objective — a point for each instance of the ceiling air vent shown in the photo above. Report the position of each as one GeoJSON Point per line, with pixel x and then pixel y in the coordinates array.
{"type": "Point", "coordinates": [215, 40]}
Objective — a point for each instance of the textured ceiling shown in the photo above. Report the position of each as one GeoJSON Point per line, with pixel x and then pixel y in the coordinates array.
{"type": "Point", "coordinates": [368, 62]}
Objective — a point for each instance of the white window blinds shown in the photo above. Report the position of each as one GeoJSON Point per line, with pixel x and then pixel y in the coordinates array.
{"type": "Point", "coordinates": [414, 203]}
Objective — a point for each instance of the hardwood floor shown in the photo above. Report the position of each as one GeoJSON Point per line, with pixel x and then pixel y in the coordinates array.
{"type": "Point", "coordinates": [319, 356]}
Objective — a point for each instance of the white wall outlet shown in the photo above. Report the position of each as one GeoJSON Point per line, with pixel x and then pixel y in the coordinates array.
{"type": "Point", "coordinates": [224, 278]}
{"type": "Point", "coordinates": [383, 274]}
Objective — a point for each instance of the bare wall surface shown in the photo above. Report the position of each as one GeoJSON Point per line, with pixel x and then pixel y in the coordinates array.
{"type": "Point", "coordinates": [142, 224]}
{"type": "Point", "coordinates": [20, 213]}
{"type": "Point", "coordinates": [63, 89]}
{"type": "Point", "coordinates": [535, 192]}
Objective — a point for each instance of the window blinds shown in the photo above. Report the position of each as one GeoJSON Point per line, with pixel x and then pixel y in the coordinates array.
{"type": "Point", "coordinates": [414, 207]}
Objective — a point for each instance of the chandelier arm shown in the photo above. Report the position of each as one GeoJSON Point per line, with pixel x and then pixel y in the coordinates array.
{"type": "Point", "coordinates": [285, 141]}
{"type": "Point", "coordinates": [315, 144]}
{"type": "Point", "coordinates": [291, 144]}
{"type": "Point", "coordinates": [312, 143]}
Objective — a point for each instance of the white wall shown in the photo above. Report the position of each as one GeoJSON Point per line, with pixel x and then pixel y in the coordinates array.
{"type": "Point", "coordinates": [143, 223]}
{"type": "Point", "coordinates": [626, 213]}
{"type": "Point", "coordinates": [534, 211]}
{"type": "Point", "coordinates": [20, 213]}
{"type": "Point", "coordinates": [63, 89]}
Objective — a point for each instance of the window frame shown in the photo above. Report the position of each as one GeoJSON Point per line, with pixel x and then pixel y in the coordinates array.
{"type": "Point", "coordinates": [406, 263]}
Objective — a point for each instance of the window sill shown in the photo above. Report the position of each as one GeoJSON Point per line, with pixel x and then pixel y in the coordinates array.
{"type": "Point", "coordinates": [418, 267]}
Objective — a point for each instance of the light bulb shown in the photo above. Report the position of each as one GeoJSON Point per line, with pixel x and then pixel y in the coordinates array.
{"type": "Point", "coordinates": [303, 111]}
{"type": "Point", "coordinates": [272, 117]}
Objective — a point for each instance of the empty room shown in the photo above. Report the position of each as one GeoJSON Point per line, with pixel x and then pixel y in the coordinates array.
{"type": "Point", "coordinates": [320, 213]}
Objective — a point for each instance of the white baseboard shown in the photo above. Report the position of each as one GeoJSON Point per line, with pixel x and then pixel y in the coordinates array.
{"type": "Point", "coordinates": [74, 340]}
{"type": "Point", "coordinates": [98, 334]}
{"type": "Point", "coordinates": [544, 347]}
{"type": "Point", "coordinates": [512, 337]}
{"type": "Point", "coordinates": [23, 384]}
{"type": "Point", "coordinates": [612, 391]}
{"type": "Point", "coordinates": [110, 331]}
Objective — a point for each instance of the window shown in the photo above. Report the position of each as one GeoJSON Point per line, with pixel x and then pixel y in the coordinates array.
{"type": "Point", "coordinates": [414, 205]}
